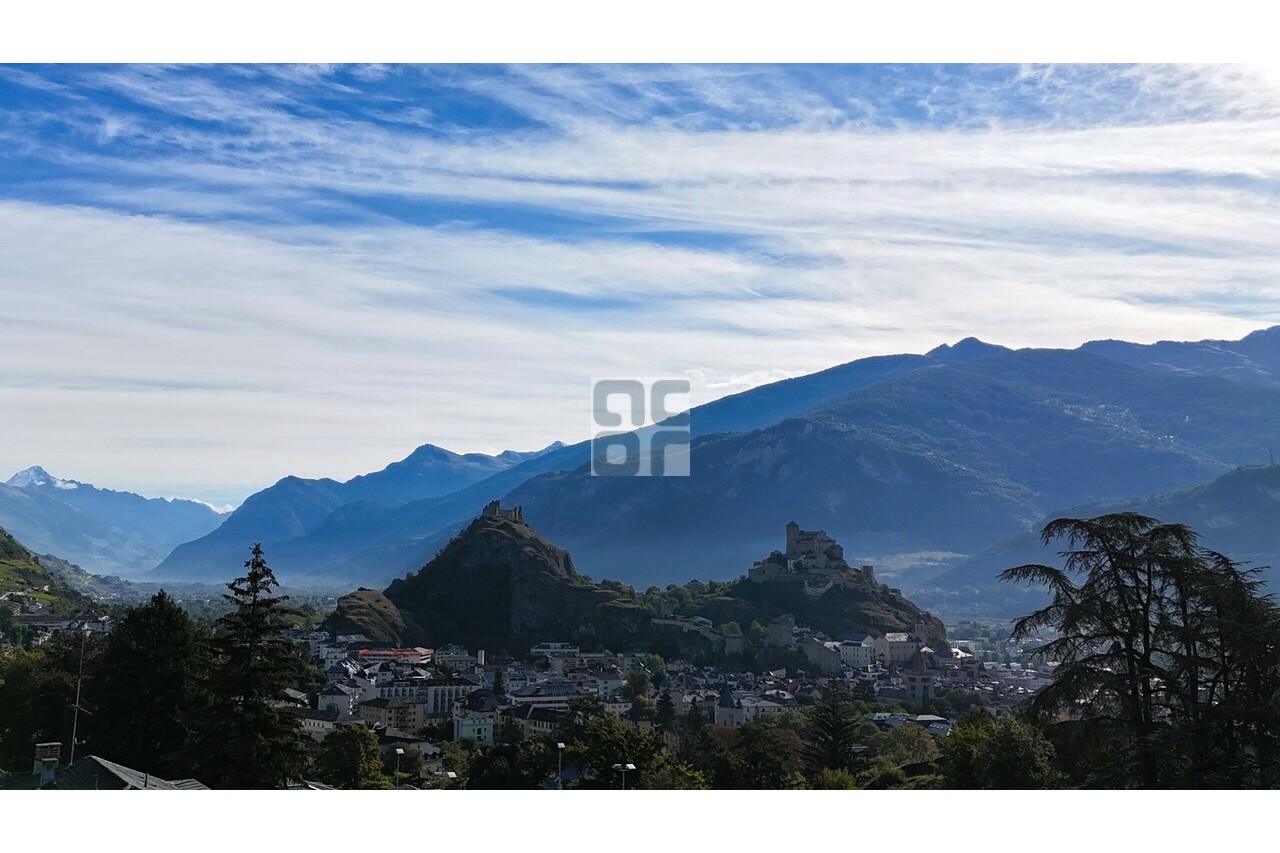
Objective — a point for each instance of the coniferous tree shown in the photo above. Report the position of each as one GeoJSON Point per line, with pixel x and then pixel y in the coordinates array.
{"type": "Point", "coordinates": [1168, 656]}
{"type": "Point", "coordinates": [499, 682]}
{"type": "Point", "coordinates": [247, 741]}
{"type": "Point", "coordinates": [146, 690]}
{"type": "Point", "coordinates": [664, 713]}
{"type": "Point", "coordinates": [831, 738]}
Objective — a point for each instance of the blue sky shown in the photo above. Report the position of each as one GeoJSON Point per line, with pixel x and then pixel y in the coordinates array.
{"type": "Point", "coordinates": [217, 276]}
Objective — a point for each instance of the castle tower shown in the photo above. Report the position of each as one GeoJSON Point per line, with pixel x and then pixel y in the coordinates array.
{"type": "Point", "coordinates": [793, 536]}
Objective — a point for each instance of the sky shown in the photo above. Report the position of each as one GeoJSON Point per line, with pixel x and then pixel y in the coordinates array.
{"type": "Point", "coordinates": [213, 277]}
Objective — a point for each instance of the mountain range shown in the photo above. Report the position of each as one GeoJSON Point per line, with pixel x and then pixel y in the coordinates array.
{"type": "Point", "coordinates": [916, 462]}
{"type": "Point", "coordinates": [1237, 514]}
{"type": "Point", "coordinates": [105, 531]}
{"type": "Point", "coordinates": [295, 508]}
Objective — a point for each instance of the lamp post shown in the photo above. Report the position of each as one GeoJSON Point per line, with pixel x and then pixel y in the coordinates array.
{"type": "Point", "coordinates": [399, 755]}
{"type": "Point", "coordinates": [622, 769]}
{"type": "Point", "coordinates": [559, 766]}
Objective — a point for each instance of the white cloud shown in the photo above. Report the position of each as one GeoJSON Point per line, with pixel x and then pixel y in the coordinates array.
{"type": "Point", "coordinates": [289, 327]}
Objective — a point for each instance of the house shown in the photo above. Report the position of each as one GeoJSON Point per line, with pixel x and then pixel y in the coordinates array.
{"type": "Point", "coordinates": [550, 650]}
{"type": "Point", "coordinates": [729, 711]}
{"type": "Point", "coordinates": [858, 654]}
{"type": "Point", "coordinates": [41, 620]}
{"type": "Point", "coordinates": [457, 658]}
{"type": "Point", "coordinates": [317, 725]}
{"type": "Point", "coordinates": [919, 685]}
{"type": "Point", "coordinates": [825, 656]}
{"type": "Point", "coordinates": [782, 632]}
{"type": "Point", "coordinates": [90, 773]}
{"type": "Point", "coordinates": [414, 655]}
{"type": "Point", "coordinates": [895, 649]}
{"type": "Point", "coordinates": [476, 726]}
{"type": "Point", "coordinates": [533, 720]}
{"type": "Point", "coordinates": [405, 714]}
{"type": "Point", "coordinates": [440, 694]}
{"type": "Point", "coordinates": [481, 701]}
{"type": "Point", "coordinates": [290, 698]}
{"type": "Point", "coordinates": [755, 707]}
{"type": "Point", "coordinates": [549, 694]}
{"type": "Point", "coordinates": [340, 697]}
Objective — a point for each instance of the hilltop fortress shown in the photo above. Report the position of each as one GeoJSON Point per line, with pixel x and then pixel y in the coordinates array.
{"type": "Point", "coordinates": [494, 509]}
{"type": "Point", "coordinates": [811, 557]}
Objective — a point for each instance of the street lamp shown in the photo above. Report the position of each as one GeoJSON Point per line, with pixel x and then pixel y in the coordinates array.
{"type": "Point", "coordinates": [559, 766]}
{"type": "Point", "coordinates": [399, 755]}
{"type": "Point", "coordinates": [622, 769]}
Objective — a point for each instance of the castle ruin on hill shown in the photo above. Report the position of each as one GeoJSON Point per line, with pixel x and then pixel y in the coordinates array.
{"type": "Point", "coordinates": [493, 509]}
{"type": "Point", "coordinates": [811, 557]}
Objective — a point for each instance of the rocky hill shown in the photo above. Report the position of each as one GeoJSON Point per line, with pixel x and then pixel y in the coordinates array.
{"type": "Point", "coordinates": [499, 585]}
{"type": "Point", "coordinates": [367, 612]}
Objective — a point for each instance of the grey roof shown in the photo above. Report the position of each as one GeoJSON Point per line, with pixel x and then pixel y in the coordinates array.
{"type": "Point", "coordinates": [98, 774]}
{"type": "Point", "coordinates": [482, 700]}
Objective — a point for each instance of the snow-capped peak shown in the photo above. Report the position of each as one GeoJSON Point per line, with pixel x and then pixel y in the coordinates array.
{"type": "Point", "coordinates": [37, 476]}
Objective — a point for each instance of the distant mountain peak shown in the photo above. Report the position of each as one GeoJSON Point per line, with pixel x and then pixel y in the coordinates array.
{"type": "Point", "coordinates": [35, 476]}
{"type": "Point", "coordinates": [431, 452]}
{"type": "Point", "coordinates": [515, 456]}
{"type": "Point", "coordinates": [964, 350]}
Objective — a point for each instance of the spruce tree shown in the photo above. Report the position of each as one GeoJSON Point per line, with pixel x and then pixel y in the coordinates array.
{"type": "Point", "coordinates": [665, 712]}
{"type": "Point", "coordinates": [831, 736]}
{"type": "Point", "coordinates": [247, 741]}
{"type": "Point", "coordinates": [146, 689]}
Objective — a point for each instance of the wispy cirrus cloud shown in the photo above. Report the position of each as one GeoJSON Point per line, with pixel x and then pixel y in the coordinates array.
{"type": "Point", "coordinates": [312, 269]}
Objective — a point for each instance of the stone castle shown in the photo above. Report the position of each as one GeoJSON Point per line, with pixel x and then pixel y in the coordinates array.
{"type": "Point", "coordinates": [813, 557]}
{"type": "Point", "coordinates": [493, 509]}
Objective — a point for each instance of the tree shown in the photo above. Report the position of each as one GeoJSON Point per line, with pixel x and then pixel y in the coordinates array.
{"type": "Point", "coordinates": [1005, 753]}
{"type": "Point", "coordinates": [248, 742]}
{"type": "Point", "coordinates": [834, 780]}
{"type": "Point", "coordinates": [759, 758]}
{"type": "Point", "coordinates": [1167, 653]}
{"type": "Point", "coordinates": [864, 690]}
{"type": "Point", "coordinates": [456, 759]}
{"type": "Point", "coordinates": [412, 763]}
{"type": "Point", "coordinates": [147, 689]}
{"type": "Point", "coordinates": [664, 714]}
{"type": "Point", "coordinates": [657, 669]}
{"type": "Point", "coordinates": [831, 739]}
{"type": "Point", "coordinates": [637, 684]}
{"type": "Point", "coordinates": [673, 777]}
{"type": "Point", "coordinates": [499, 682]}
{"type": "Point", "coordinates": [903, 745]}
{"type": "Point", "coordinates": [693, 742]}
{"type": "Point", "coordinates": [606, 741]}
{"type": "Point", "coordinates": [583, 708]}
{"type": "Point", "coordinates": [39, 690]}
{"type": "Point", "coordinates": [349, 759]}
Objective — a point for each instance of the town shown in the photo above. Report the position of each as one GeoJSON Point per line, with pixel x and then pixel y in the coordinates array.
{"type": "Point", "coordinates": [434, 713]}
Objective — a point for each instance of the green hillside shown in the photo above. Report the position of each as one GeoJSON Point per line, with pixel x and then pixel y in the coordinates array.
{"type": "Point", "coordinates": [21, 572]}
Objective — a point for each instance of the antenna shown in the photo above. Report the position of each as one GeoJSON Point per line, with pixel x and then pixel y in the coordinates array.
{"type": "Point", "coordinates": [75, 721]}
